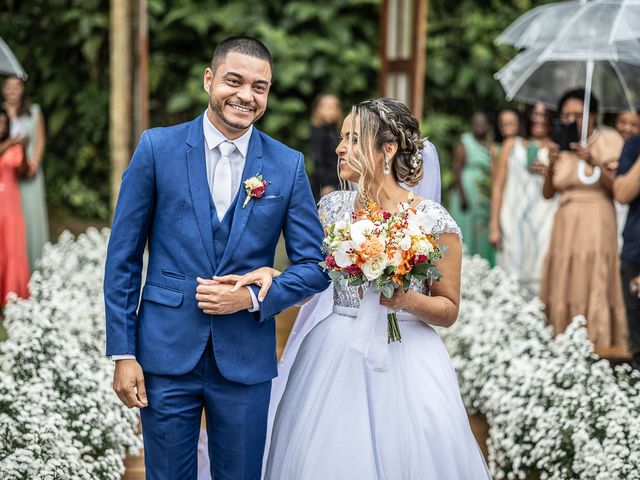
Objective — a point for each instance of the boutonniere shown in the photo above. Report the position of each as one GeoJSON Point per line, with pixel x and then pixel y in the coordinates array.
{"type": "Point", "coordinates": [255, 188]}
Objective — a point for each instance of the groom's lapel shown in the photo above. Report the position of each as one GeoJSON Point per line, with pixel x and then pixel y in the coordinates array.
{"type": "Point", "coordinates": [252, 167]}
{"type": "Point", "coordinates": [197, 172]}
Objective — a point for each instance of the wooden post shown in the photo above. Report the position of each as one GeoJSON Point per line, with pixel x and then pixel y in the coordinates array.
{"type": "Point", "coordinates": [120, 61]}
{"type": "Point", "coordinates": [403, 52]}
{"type": "Point", "coordinates": [141, 106]}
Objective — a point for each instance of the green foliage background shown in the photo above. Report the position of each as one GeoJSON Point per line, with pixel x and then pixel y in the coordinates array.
{"type": "Point", "coordinates": [329, 46]}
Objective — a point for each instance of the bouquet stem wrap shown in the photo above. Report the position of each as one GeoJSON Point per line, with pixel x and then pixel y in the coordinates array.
{"type": "Point", "coordinates": [372, 328]}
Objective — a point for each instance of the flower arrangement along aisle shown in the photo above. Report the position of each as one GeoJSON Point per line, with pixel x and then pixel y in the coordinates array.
{"type": "Point", "coordinates": [554, 408]}
{"type": "Point", "coordinates": [386, 250]}
{"type": "Point", "coordinates": [59, 417]}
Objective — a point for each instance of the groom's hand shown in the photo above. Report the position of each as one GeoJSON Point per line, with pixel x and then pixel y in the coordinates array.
{"type": "Point", "coordinates": [128, 383]}
{"type": "Point", "coordinates": [217, 298]}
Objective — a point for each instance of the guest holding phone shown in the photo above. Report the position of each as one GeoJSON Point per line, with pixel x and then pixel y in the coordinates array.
{"type": "Point", "coordinates": [580, 275]}
{"type": "Point", "coordinates": [626, 189]}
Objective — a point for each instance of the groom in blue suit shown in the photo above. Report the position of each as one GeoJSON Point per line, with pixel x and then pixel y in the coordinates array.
{"type": "Point", "coordinates": [190, 342]}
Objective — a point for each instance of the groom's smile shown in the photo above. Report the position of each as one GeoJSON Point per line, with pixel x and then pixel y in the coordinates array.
{"type": "Point", "coordinates": [238, 91]}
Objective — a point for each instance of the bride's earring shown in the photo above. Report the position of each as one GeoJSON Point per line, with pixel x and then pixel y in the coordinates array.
{"type": "Point", "coordinates": [386, 168]}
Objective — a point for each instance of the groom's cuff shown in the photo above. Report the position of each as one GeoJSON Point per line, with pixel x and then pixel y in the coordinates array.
{"type": "Point", "coordinates": [254, 300]}
{"type": "Point", "coordinates": [123, 357]}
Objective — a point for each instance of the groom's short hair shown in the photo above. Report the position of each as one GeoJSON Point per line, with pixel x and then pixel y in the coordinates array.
{"type": "Point", "coordinates": [241, 44]}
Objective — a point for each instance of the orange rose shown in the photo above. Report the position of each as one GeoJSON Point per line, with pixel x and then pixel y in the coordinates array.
{"type": "Point", "coordinates": [371, 248]}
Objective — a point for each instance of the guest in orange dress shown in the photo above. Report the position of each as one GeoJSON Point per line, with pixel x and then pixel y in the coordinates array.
{"type": "Point", "coordinates": [14, 266]}
{"type": "Point", "coordinates": [580, 275]}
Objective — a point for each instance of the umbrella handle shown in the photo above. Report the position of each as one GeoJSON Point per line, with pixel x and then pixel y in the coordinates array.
{"type": "Point", "coordinates": [588, 179]}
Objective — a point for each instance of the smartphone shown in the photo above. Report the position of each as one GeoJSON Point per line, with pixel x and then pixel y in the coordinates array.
{"type": "Point", "coordinates": [532, 153]}
{"type": "Point", "coordinates": [564, 134]}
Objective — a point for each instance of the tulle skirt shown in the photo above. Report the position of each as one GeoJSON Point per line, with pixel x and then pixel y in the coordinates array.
{"type": "Point", "coordinates": [341, 419]}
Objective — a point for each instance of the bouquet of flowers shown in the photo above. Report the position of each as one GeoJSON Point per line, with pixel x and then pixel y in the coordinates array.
{"type": "Point", "coordinates": [385, 250]}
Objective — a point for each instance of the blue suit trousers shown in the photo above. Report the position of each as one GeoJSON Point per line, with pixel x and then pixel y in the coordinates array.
{"type": "Point", "coordinates": [236, 423]}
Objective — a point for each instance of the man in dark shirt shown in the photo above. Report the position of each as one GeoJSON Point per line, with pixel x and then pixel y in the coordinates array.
{"type": "Point", "coordinates": [626, 189]}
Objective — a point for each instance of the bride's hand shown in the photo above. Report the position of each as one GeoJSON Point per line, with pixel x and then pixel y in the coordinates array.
{"type": "Point", "coordinates": [399, 300]}
{"type": "Point", "coordinates": [263, 277]}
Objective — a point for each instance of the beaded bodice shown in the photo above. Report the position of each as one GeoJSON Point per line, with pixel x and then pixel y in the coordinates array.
{"type": "Point", "coordinates": [339, 205]}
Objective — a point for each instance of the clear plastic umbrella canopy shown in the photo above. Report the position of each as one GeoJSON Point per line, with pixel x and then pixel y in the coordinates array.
{"type": "Point", "coordinates": [545, 73]}
{"type": "Point", "coordinates": [9, 64]}
{"type": "Point", "coordinates": [595, 45]}
{"type": "Point", "coordinates": [539, 25]}
{"type": "Point", "coordinates": [577, 22]}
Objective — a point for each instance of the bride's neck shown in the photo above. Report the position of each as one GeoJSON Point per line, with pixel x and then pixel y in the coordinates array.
{"type": "Point", "coordinates": [387, 193]}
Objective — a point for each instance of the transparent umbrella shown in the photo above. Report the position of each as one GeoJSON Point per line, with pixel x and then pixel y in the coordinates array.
{"type": "Point", "coordinates": [596, 48]}
{"type": "Point", "coordinates": [9, 64]}
{"type": "Point", "coordinates": [539, 25]}
{"type": "Point", "coordinates": [543, 74]}
{"type": "Point", "coordinates": [606, 21]}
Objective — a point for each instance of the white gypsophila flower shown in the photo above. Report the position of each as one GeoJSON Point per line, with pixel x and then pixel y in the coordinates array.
{"type": "Point", "coordinates": [59, 417]}
{"type": "Point", "coordinates": [554, 410]}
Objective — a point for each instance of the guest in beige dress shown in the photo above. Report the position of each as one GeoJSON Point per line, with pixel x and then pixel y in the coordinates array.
{"type": "Point", "coordinates": [580, 272]}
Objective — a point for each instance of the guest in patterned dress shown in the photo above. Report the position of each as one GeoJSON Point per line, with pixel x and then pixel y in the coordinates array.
{"type": "Point", "coordinates": [521, 218]}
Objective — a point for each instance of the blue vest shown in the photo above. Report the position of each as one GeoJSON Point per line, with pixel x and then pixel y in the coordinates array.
{"type": "Point", "coordinates": [221, 229]}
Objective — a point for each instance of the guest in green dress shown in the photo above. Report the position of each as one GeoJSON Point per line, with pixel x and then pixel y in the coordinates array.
{"type": "Point", "coordinates": [27, 122]}
{"type": "Point", "coordinates": [469, 202]}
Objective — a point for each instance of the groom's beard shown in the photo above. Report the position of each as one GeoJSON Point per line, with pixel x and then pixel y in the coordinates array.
{"type": "Point", "coordinates": [218, 109]}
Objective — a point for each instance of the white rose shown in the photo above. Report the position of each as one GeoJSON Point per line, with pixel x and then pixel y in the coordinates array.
{"type": "Point", "coordinates": [342, 258]}
{"type": "Point", "coordinates": [360, 230]}
{"type": "Point", "coordinates": [405, 243]}
{"type": "Point", "coordinates": [374, 267]}
{"type": "Point", "coordinates": [424, 247]}
{"type": "Point", "coordinates": [253, 183]}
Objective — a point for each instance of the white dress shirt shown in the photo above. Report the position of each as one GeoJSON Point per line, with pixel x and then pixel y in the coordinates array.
{"type": "Point", "coordinates": [212, 139]}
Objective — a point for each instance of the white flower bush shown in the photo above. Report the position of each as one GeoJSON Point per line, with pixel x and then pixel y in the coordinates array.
{"type": "Point", "coordinates": [554, 409]}
{"type": "Point", "coordinates": [59, 417]}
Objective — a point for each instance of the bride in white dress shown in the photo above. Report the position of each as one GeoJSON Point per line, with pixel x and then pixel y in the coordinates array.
{"type": "Point", "coordinates": [383, 411]}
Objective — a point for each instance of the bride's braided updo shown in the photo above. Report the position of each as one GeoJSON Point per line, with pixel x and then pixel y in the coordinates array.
{"type": "Point", "coordinates": [382, 121]}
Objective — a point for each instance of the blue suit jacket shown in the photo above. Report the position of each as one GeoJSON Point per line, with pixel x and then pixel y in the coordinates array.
{"type": "Point", "coordinates": [164, 201]}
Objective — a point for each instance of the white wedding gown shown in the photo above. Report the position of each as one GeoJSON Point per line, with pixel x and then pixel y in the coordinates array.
{"type": "Point", "coordinates": [355, 408]}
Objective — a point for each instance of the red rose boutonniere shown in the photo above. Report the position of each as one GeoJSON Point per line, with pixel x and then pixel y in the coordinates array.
{"type": "Point", "coordinates": [255, 188]}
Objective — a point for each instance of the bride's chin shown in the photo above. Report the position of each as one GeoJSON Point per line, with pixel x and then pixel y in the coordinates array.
{"type": "Point", "coordinates": [349, 177]}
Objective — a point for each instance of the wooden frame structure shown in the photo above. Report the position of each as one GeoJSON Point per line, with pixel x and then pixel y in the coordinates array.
{"type": "Point", "coordinates": [403, 52]}
{"type": "Point", "coordinates": [129, 66]}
